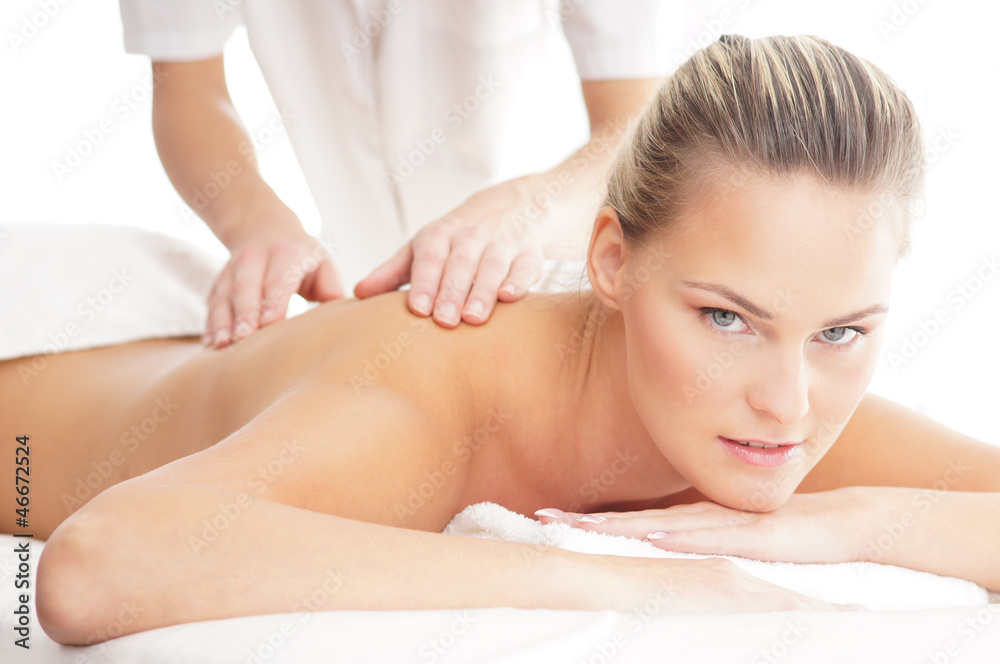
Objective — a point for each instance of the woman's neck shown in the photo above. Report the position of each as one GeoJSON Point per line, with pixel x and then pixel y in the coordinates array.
{"type": "Point", "coordinates": [577, 440]}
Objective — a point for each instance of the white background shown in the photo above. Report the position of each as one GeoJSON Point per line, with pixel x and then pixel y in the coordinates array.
{"type": "Point", "coordinates": [72, 73]}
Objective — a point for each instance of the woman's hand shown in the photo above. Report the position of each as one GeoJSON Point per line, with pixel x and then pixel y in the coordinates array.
{"type": "Point", "coordinates": [485, 250]}
{"type": "Point", "coordinates": [824, 527]}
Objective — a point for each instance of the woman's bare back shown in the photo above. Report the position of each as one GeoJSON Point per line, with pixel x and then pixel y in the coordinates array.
{"type": "Point", "coordinates": [97, 417]}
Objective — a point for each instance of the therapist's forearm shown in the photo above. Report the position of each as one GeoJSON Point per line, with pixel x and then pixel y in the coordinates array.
{"type": "Point", "coordinates": [209, 157]}
{"type": "Point", "coordinates": [569, 195]}
{"type": "Point", "coordinates": [951, 533]}
{"type": "Point", "coordinates": [582, 178]}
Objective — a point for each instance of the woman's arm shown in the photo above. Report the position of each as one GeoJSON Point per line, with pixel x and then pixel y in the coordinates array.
{"type": "Point", "coordinates": [293, 512]}
{"type": "Point", "coordinates": [895, 488]}
{"type": "Point", "coordinates": [886, 444]}
{"type": "Point", "coordinates": [180, 554]}
{"type": "Point", "coordinates": [943, 532]}
{"type": "Point", "coordinates": [929, 495]}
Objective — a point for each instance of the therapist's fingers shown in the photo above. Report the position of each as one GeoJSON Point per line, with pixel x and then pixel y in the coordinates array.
{"type": "Point", "coordinates": [388, 276]}
{"type": "Point", "coordinates": [493, 269]}
{"type": "Point", "coordinates": [297, 267]}
{"type": "Point", "coordinates": [524, 272]}
{"type": "Point", "coordinates": [322, 284]}
{"type": "Point", "coordinates": [430, 253]}
{"type": "Point", "coordinates": [456, 282]}
{"type": "Point", "coordinates": [218, 326]}
{"type": "Point", "coordinates": [248, 279]}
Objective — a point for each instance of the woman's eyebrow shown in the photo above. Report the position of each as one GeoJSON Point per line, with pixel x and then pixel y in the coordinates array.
{"type": "Point", "coordinates": [760, 312]}
{"type": "Point", "coordinates": [857, 315]}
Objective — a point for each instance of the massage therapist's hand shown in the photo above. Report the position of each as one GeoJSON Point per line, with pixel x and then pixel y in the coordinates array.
{"type": "Point", "coordinates": [824, 527]}
{"type": "Point", "coordinates": [460, 265]}
{"type": "Point", "coordinates": [265, 270]}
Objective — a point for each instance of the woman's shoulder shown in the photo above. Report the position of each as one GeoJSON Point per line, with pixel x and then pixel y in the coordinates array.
{"type": "Point", "coordinates": [378, 341]}
{"type": "Point", "coordinates": [365, 351]}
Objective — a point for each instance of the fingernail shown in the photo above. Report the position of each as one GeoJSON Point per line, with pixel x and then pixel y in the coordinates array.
{"type": "Point", "coordinates": [590, 518]}
{"type": "Point", "coordinates": [242, 330]}
{"type": "Point", "coordinates": [221, 337]}
{"type": "Point", "coordinates": [475, 309]}
{"type": "Point", "coordinates": [552, 513]}
{"type": "Point", "coordinates": [660, 534]}
{"type": "Point", "coordinates": [266, 314]}
{"type": "Point", "coordinates": [447, 313]}
{"type": "Point", "coordinates": [205, 338]}
{"type": "Point", "coordinates": [422, 304]}
{"type": "Point", "coordinates": [508, 289]}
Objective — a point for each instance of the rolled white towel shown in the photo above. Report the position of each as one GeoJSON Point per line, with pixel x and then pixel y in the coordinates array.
{"type": "Point", "coordinates": [874, 586]}
{"type": "Point", "coordinates": [71, 287]}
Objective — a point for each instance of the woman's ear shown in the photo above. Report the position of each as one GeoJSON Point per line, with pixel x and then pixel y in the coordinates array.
{"type": "Point", "coordinates": [606, 256]}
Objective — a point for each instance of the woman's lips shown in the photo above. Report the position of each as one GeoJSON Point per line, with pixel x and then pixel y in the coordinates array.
{"type": "Point", "coordinates": [760, 456]}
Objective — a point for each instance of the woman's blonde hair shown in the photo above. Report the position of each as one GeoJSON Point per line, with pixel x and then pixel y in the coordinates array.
{"type": "Point", "coordinates": [774, 107]}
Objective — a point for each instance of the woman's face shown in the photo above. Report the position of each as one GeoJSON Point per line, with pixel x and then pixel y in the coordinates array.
{"type": "Point", "coordinates": [759, 317]}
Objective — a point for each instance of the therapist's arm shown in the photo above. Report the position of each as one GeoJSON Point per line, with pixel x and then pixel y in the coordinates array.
{"type": "Point", "coordinates": [210, 159]}
{"type": "Point", "coordinates": [610, 106]}
{"type": "Point", "coordinates": [499, 237]}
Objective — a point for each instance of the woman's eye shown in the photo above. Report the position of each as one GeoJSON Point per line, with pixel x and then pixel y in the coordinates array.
{"type": "Point", "coordinates": [839, 336]}
{"type": "Point", "coordinates": [730, 322]}
{"type": "Point", "coordinates": [723, 319]}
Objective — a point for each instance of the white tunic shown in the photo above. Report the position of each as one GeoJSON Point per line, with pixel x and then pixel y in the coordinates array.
{"type": "Point", "coordinates": [398, 110]}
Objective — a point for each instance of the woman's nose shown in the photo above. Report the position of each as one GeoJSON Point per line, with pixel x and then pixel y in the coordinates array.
{"type": "Point", "coordinates": [782, 390]}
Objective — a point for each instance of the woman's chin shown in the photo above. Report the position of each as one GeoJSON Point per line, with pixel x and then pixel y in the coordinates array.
{"type": "Point", "coordinates": [750, 495]}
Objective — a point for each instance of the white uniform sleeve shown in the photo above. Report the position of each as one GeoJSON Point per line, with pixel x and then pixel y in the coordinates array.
{"type": "Point", "coordinates": [613, 39]}
{"type": "Point", "coordinates": [177, 30]}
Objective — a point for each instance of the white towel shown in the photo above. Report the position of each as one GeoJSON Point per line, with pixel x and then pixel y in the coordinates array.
{"type": "Point", "coordinates": [874, 586]}
{"type": "Point", "coordinates": [71, 287]}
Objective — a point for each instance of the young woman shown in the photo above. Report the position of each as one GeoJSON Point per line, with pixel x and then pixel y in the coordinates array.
{"type": "Point", "coordinates": [710, 386]}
